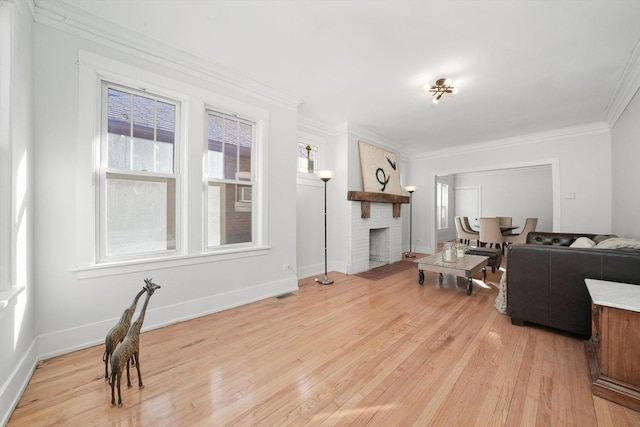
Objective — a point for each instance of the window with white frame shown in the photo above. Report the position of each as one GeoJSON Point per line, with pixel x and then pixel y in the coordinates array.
{"type": "Point", "coordinates": [138, 213]}
{"type": "Point", "coordinates": [442, 203]}
{"type": "Point", "coordinates": [307, 158]}
{"type": "Point", "coordinates": [230, 186]}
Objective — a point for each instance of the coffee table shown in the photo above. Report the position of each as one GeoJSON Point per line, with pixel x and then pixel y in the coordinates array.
{"type": "Point", "coordinates": [466, 266]}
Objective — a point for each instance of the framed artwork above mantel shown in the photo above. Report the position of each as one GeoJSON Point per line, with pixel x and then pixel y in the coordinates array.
{"type": "Point", "coordinates": [379, 170]}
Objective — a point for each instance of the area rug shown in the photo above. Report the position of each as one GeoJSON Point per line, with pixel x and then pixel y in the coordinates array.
{"type": "Point", "coordinates": [386, 270]}
{"type": "Point", "coordinates": [501, 299]}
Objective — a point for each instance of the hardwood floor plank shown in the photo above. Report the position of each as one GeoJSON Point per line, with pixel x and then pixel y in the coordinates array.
{"type": "Point", "coordinates": [358, 352]}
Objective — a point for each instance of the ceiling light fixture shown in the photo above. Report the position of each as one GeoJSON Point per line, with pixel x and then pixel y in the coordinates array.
{"type": "Point", "coordinates": [441, 87]}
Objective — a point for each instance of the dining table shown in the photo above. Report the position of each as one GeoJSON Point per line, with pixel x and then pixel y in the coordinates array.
{"type": "Point", "coordinates": [504, 229]}
{"type": "Point", "coordinates": [507, 229]}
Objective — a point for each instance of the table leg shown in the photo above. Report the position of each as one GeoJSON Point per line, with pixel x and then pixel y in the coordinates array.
{"type": "Point", "coordinates": [484, 274]}
{"type": "Point", "coordinates": [421, 277]}
{"type": "Point", "coordinates": [469, 285]}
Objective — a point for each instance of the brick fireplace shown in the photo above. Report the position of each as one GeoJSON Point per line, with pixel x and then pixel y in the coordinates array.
{"type": "Point", "coordinates": [386, 230]}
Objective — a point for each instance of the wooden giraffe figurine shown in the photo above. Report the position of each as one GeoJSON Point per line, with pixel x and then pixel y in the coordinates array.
{"type": "Point", "coordinates": [129, 349]}
{"type": "Point", "coordinates": [118, 332]}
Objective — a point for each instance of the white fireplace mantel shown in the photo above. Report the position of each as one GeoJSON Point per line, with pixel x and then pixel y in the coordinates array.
{"type": "Point", "coordinates": [366, 197]}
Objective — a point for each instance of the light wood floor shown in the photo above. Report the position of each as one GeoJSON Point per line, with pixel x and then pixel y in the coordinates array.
{"type": "Point", "coordinates": [358, 352]}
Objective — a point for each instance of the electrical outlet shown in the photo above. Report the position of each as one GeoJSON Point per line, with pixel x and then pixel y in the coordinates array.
{"type": "Point", "coordinates": [286, 266]}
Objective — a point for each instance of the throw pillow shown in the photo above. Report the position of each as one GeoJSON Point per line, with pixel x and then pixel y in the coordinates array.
{"type": "Point", "coordinates": [600, 237]}
{"type": "Point", "coordinates": [619, 242]}
{"type": "Point", "coordinates": [583, 242]}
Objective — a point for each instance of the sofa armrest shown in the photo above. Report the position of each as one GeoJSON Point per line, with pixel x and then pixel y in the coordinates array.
{"type": "Point", "coordinates": [545, 283]}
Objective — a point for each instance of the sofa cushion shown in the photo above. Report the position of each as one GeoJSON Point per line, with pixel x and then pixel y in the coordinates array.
{"type": "Point", "coordinates": [583, 242]}
{"type": "Point", "coordinates": [618, 243]}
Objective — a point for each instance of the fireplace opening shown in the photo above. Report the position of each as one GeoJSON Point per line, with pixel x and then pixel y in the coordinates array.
{"type": "Point", "coordinates": [378, 247]}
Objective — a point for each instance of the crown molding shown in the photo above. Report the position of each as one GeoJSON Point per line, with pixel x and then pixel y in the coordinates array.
{"type": "Point", "coordinates": [63, 16]}
{"type": "Point", "coordinates": [573, 131]}
{"type": "Point", "coordinates": [312, 125]}
{"type": "Point", "coordinates": [628, 86]}
{"type": "Point", "coordinates": [373, 137]}
{"type": "Point", "coordinates": [20, 6]}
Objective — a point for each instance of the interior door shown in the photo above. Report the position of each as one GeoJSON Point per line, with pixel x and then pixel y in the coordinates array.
{"type": "Point", "coordinates": [468, 203]}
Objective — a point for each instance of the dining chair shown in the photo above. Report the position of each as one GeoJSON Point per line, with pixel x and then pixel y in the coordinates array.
{"type": "Point", "coordinates": [464, 235]}
{"type": "Point", "coordinates": [467, 224]}
{"type": "Point", "coordinates": [529, 226]}
{"type": "Point", "coordinates": [469, 229]}
{"type": "Point", "coordinates": [505, 220]}
{"type": "Point", "coordinates": [490, 233]}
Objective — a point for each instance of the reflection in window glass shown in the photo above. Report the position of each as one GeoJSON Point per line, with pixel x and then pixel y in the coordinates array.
{"type": "Point", "coordinates": [230, 144]}
{"type": "Point", "coordinates": [229, 215]}
{"type": "Point", "coordinates": [141, 132]}
{"type": "Point", "coordinates": [230, 187]}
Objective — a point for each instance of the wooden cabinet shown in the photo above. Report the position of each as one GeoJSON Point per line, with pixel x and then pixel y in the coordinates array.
{"type": "Point", "coordinates": [614, 352]}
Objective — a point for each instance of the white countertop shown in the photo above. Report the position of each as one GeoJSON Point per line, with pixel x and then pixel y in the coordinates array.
{"type": "Point", "coordinates": [614, 294]}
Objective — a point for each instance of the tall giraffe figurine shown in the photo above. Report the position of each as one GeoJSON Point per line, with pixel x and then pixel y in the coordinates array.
{"type": "Point", "coordinates": [130, 348]}
{"type": "Point", "coordinates": [118, 332]}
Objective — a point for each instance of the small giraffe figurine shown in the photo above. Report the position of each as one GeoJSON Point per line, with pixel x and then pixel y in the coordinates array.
{"type": "Point", "coordinates": [118, 332]}
{"type": "Point", "coordinates": [130, 348]}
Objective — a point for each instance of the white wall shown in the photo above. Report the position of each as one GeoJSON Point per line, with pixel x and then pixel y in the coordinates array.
{"type": "Point", "coordinates": [17, 307]}
{"type": "Point", "coordinates": [580, 159]}
{"type": "Point", "coordinates": [310, 205]}
{"type": "Point", "coordinates": [520, 193]}
{"type": "Point", "coordinates": [625, 137]}
{"type": "Point", "coordinates": [77, 307]}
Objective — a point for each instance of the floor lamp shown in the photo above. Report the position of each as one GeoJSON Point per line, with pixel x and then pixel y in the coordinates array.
{"type": "Point", "coordinates": [325, 176]}
{"type": "Point", "coordinates": [410, 189]}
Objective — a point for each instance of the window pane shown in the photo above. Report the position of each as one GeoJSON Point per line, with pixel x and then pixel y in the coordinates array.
{"type": "Point", "coordinates": [230, 144]}
{"type": "Point", "coordinates": [143, 118]}
{"type": "Point", "coordinates": [443, 205]}
{"type": "Point", "coordinates": [119, 151]}
{"type": "Point", "coordinates": [215, 132]}
{"type": "Point", "coordinates": [229, 214]}
{"type": "Point", "coordinates": [245, 134]}
{"type": "Point", "coordinates": [119, 129]}
{"type": "Point", "coordinates": [307, 155]}
{"type": "Point", "coordinates": [164, 157]}
{"type": "Point", "coordinates": [142, 155]}
{"type": "Point", "coordinates": [166, 122]}
{"type": "Point", "coordinates": [140, 215]}
{"type": "Point", "coordinates": [230, 150]}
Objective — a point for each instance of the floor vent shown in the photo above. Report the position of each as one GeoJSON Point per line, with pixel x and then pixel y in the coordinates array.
{"type": "Point", "coordinates": [287, 295]}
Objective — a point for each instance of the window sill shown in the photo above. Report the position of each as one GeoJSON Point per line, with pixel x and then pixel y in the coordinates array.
{"type": "Point", "coordinates": [6, 297]}
{"type": "Point", "coordinates": [134, 266]}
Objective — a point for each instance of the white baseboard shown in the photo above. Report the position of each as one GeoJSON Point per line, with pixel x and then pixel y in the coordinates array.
{"type": "Point", "coordinates": [310, 271]}
{"type": "Point", "coordinates": [68, 340]}
{"type": "Point", "coordinates": [317, 270]}
{"type": "Point", "coordinates": [11, 390]}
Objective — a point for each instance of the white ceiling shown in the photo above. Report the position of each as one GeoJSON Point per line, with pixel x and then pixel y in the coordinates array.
{"type": "Point", "coordinates": [521, 66]}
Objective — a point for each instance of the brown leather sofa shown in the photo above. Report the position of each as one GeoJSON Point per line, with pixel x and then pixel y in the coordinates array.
{"type": "Point", "coordinates": [545, 279]}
